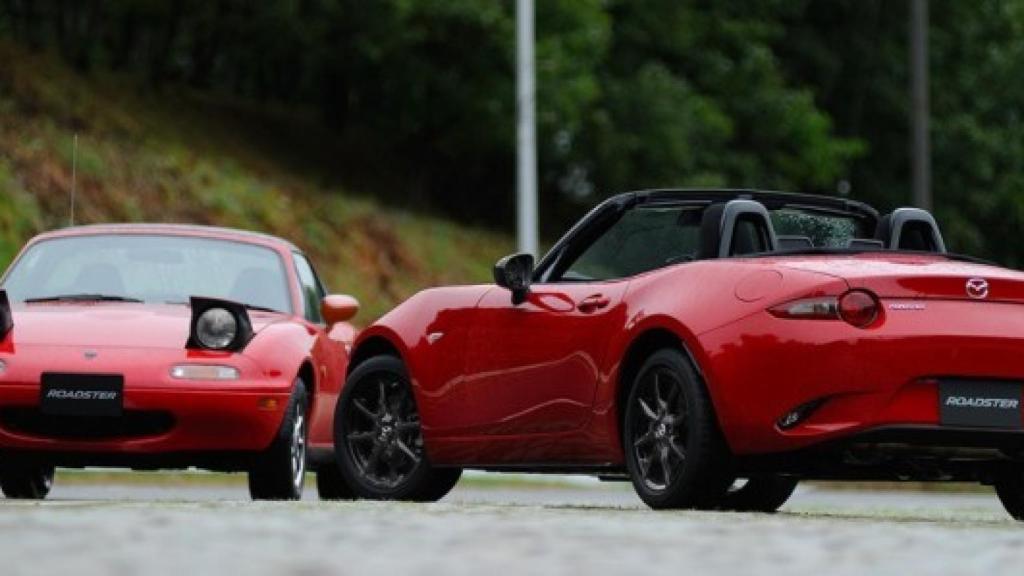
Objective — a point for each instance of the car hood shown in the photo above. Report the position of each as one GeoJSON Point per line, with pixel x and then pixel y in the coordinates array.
{"type": "Point", "coordinates": [109, 324]}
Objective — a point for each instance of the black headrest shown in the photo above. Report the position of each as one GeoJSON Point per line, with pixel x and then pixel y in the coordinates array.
{"type": "Point", "coordinates": [910, 229]}
{"type": "Point", "coordinates": [794, 242]}
{"type": "Point", "coordinates": [718, 227]}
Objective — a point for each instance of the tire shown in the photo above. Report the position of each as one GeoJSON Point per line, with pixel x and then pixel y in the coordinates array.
{"type": "Point", "coordinates": [331, 485]}
{"type": "Point", "coordinates": [279, 472]}
{"type": "Point", "coordinates": [27, 482]}
{"type": "Point", "coordinates": [675, 453]}
{"type": "Point", "coordinates": [378, 439]}
{"type": "Point", "coordinates": [1010, 490]}
{"type": "Point", "coordinates": [760, 494]}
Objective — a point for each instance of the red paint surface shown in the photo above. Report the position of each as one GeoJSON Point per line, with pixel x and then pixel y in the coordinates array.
{"type": "Point", "coordinates": [143, 342]}
{"type": "Point", "coordinates": [538, 383]}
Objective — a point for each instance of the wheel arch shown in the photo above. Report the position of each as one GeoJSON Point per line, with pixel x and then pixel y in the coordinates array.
{"type": "Point", "coordinates": [373, 345]}
{"type": "Point", "coordinates": [307, 373]}
{"type": "Point", "coordinates": [645, 342]}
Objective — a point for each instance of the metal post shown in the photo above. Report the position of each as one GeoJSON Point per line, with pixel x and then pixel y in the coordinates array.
{"type": "Point", "coordinates": [526, 136]}
{"type": "Point", "coordinates": [920, 147]}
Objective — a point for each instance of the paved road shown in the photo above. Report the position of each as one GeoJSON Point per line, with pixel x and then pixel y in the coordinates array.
{"type": "Point", "coordinates": [132, 530]}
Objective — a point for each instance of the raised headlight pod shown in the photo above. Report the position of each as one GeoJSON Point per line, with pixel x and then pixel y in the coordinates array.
{"type": "Point", "coordinates": [216, 328]}
{"type": "Point", "coordinates": [858, 308]}
{"type": "Point", "coordinates": [204, 372]}
{"type": "Point", "coordinates": [6, 319]}
{"type": "Point", "coordinates": [219, 325]}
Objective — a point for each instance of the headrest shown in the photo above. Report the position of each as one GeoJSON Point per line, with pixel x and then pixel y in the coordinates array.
{"type": "Point", "coordinates": [736, 228]}
{"type": "Point", "coordinates": [910, 229]}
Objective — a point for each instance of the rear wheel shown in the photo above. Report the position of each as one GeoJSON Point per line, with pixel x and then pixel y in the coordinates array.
{"type": "Point", "coordinates": [378, 439]}
{"type": "Point", "coordinates": [675, 454]}
{"type": "Point", "coordinates": [1010, 490]}
{"type": "Point", "coordinates": [280, 472]}
{"type": "Point", "coordinates": [27, 482]}
{"type": "Point", "coordinates": [759, 494]}
{"type": "Point", "coordinates": [331, 485]}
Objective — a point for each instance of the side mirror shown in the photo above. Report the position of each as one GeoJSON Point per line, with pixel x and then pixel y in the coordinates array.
{"type": "Point", "coordinates": [515, 273]}
{"type": "Point", "coordinates": [338, 308]}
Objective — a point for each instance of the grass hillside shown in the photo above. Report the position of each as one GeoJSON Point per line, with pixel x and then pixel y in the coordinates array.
{"type": "Point", "coordinates": [177, 156]}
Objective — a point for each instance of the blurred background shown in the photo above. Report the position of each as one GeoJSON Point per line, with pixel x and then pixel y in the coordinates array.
{"type": "Point", "coordinates": [380, 135]}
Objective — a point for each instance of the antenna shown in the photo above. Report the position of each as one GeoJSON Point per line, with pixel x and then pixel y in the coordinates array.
{"type": "Point", "coordinates": [74, 176]}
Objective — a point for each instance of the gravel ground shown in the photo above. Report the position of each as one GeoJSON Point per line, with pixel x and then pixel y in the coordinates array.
{"type": "Point", "coordinates": [178, 531]}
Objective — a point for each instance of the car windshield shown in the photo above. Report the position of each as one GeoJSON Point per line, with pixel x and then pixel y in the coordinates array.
{"type": "Point", "coordinates": [149, 268]}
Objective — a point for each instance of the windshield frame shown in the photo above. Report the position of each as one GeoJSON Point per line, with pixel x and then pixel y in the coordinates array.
{"type": "Point", "coordinates": [279, 253]}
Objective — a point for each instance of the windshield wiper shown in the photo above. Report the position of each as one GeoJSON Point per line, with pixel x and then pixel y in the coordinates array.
{"type": "Point", "coordinates": [83, 298]}
{"type": "Point", "coordinates": [248, 306]}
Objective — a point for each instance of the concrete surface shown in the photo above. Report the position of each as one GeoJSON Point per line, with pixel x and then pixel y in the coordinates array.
{"type": "Point", "coordinates": [130, 530]}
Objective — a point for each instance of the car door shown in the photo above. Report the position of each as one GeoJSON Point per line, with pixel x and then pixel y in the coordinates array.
{"type": "Point", "coordinates": [534, 367]}
{"type": "Point", "coordinates": [327, 354]}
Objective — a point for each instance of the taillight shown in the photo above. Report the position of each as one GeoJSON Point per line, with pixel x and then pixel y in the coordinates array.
{"type": "Point", "coordinates": [856, 307]}
{"type": "Point", "coordinates": [826, 308]}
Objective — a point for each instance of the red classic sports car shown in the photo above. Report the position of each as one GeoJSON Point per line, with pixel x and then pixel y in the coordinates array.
{"type": "Point", "coordinates": [164, 346]}
{"type": "Point", "coordinates": [712, 347]}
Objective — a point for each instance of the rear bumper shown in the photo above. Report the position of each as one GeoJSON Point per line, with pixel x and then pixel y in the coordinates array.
{"type": "Point", "coordinates": [898, 453]}
{"type": "Point", "coordinates": [184, 420]}
{"type": "Point", "coordinates": [762, 367]}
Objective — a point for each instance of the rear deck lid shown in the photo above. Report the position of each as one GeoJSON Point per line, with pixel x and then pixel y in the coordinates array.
{"type": "Point", "coordinates": [917, 276]}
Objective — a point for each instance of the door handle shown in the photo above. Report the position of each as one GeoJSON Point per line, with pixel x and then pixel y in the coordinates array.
{"type": "Point", "coordinates": [592, 303]}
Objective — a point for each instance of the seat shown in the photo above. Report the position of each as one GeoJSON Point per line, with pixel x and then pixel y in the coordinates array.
{"type": "Point", "coordinates": [260, 287]}
{"type": "Point", "coordinates": [910, 229]}
{"type": "Point", "coordinates": [99, 278]}
{"type": "Point", "coordinates": [736, 228]}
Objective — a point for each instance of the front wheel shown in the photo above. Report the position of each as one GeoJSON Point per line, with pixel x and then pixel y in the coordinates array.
{"type": "Point", "coordinates": [378, 439]}
{"type": "Point", "coordinates": [27, 482]}
{"type": "Point", "coordinates": [675, 454]}
{"type": "Point", "coordinates": [279, 473]}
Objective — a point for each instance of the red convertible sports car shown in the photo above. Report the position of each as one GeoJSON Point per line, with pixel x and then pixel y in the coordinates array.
{"type": "Point", "coordinates": [164, 346]}
{"type": "Point", "coordinates": [711, 347]}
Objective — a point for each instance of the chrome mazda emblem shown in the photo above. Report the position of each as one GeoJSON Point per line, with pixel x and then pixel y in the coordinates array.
{"type": "Point", "coordinates": [90, 354]}
{"type": "Point", "coordinates": [977, 288]}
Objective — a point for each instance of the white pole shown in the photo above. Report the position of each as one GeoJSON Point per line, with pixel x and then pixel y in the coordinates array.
{"type": "Point", "coordinates": [920, 144]}
{"type": "Point", "coordinates": [526, 131]}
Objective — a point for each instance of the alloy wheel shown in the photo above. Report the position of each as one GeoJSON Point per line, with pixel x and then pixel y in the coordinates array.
{"type": "Point", "coordinates": [659, 429]}
{"type": "Point", "coordinates": [383, 431]}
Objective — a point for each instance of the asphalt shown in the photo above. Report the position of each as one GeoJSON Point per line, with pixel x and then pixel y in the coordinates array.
{"type": "Point", "coordinates": [577, 528]}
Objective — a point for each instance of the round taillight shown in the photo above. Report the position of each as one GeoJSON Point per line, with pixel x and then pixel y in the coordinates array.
{"type": "Point", "coordinates": [858, 308]}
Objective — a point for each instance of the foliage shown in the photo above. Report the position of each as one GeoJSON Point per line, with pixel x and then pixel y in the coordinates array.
{"type": "Point", "coordinates": [168, 158]}
{"type": "Point", "coordinates": [413, 101]}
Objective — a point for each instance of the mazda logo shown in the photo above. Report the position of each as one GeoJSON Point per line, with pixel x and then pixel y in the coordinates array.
{"type": "Point", "coordinates": [977, 288]}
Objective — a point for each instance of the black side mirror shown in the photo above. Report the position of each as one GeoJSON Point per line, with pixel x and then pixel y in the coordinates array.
{"type": "Point", "coordinates": [515, 273]}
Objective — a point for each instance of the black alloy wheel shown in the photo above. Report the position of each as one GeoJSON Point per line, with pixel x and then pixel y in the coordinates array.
{"type": "Point", "coordinates": [378, 438]}
{"type": "Point", "coordinates": [675, 454]}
